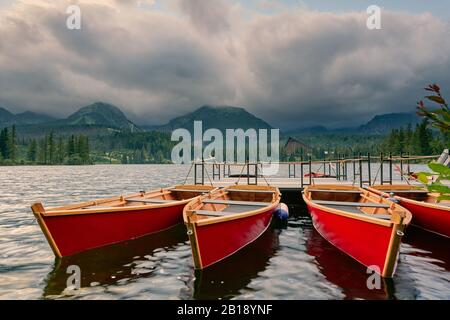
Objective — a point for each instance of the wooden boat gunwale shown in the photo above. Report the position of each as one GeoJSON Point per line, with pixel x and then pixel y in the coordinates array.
{"type": "Point", "coordinates": [399, 221]}
{"type": "Point", "coordinates": [431, 205]}
{"type": "Point", "coordinates": [90, 207]}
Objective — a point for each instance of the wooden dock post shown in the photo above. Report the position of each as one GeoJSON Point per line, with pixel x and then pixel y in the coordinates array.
{"type": "Point", "coordinates": [338, 167]}
{"type": "Point", "coordinates": [345, 169]}
{"type": "Point", "coordinates": [390, 168]}
{"type": "Point", "coordinates": [216, 170]}
{"type": "Point", "coordinates": [291, 172]}
{"type": "Point", "coordinates": [255, 165]}
{"type": "Point", "coordinates": [401, 166]}
{"type": "Point", "coordinates": [202, 166]}
{"type": "Point", "coordinates": [381, 169]}
{"type": "Point", "coordinates": [224, 170]}
{"type": "Point", "coordinates": [310, 170]}
{"type": "Point", "coordinates": [360, 170]}
{"type": "Point", "coordinates": [301, 173]}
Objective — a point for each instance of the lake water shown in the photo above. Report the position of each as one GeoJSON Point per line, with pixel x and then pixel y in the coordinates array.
{"type": "Point", "coordinates": [288, 262]}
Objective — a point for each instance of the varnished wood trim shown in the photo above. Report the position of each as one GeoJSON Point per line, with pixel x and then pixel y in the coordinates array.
{"type": "Point", "coordinates": [38, 210]}
{"type": "Point", "coordinates": [393, 250]}
{"type": "Point", "coordinates": [56, 213]}
{"type": "Point", "coordinates": [424, 204]}
{"type": "Point", "coordinates": [89, 207]}
{"type": "Point", "coordinates": [193, 239]}
{"type": "Point", "coordinates": [419, 203]}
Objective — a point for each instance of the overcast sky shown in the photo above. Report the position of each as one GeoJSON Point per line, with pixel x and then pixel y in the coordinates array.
{"type": "Point", "coordinates": [293, 63]}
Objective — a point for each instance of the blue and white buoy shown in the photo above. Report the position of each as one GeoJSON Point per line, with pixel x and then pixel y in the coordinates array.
{"type": "Point", "coordinates": [392, 198]}
{"type": "Point", "coordinates": [282, 212]}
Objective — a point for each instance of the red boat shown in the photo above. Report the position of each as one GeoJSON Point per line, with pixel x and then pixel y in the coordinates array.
{"type": "Point", "coordinates": [427, 213]}
{"type": "Point", "coordinates": [221, 223]}
{"type": "Point", "coordinates": [363, 225]}
{"type": "Point", "coordinates": [318, 175]}
{"type": "Point", "coordinates": [80, 227]}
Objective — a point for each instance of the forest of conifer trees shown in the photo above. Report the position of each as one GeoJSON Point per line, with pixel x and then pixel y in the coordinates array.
{"type": "Point", "coordinates": [49, 150]}
{"type": "Point", "coordinates": [155, 147]}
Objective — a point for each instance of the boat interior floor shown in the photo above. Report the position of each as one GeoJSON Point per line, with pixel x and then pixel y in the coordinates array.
{"type": "Point", "coordinates": [359, 211]}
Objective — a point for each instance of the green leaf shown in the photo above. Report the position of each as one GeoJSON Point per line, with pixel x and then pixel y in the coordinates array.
{"type": "Point", "coordinates": [436, 99]}
{"type": "Point", "coordinates": [439, 188]}
{"type": "Point", "coordinates": [442, 198]}
{"type": "Point", "coordinates": [428, 174]}
{"type": "Point", "coordinates": [439, 168]}
{"type": "Point", "coordinates": [423, 177]}
{"type": "Point", "coordinates": [444, 113]}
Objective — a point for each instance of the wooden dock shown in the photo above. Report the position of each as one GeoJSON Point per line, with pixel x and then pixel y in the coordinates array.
{"type": "Point", "coordinates": [295, 176]}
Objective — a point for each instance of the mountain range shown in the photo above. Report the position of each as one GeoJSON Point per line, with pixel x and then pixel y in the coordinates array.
{"type": "Point", "coordinates": [105, 117]}
{"type": "Point", "coordinates": [218, 117]}
{"type": "Point", "coordinates": [8, 119]}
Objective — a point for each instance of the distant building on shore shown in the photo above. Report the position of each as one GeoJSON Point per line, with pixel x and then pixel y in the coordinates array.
{"type": "Point", "coordinates": [295, 147]}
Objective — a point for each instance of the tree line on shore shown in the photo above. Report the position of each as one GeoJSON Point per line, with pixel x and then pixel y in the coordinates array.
{"type": "Point", "coordinates": [156, 147]}
{"type": "Point", "coordinates": [420, 140]}
{"type": "Point", "coordinates": [48, 150]}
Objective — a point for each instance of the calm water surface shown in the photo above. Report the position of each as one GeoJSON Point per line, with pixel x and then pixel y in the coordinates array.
{"type": "Point", "coordinates": [289, 261]}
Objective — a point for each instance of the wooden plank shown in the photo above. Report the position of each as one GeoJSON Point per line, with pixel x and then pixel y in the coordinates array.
{"type": "Point", "coordinates": [352, 204]}
{"type": "Point", "coordinates": [335, 191]}
{"type": "Point", "coordinates": [378, 216]}
{"type": "Point", "coordinates": [240, 203]}
{"type": "Point", "coordinates": [189, 190]}
{"type": "Point", "coordinates": [404, 191]}
{"type": "Point", "coordinates": [251, 191]}
{"type": "Point", "coordinates": [213, 213]}
{"type": "Point", "coordinates": [97, 207]}
{"type": "Point", "coordinates": [150, 200]}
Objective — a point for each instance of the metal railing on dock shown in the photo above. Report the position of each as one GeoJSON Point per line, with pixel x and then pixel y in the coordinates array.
{"type": "Point", "coordinates": [338, 168]}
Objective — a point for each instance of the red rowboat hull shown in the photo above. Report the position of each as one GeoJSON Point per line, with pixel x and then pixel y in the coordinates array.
{"type": "Point", "coordinates": [366, 242]}
{"type": "Point", "coordinates": [429, 218]}
{"type": "Point", "coordinates": [80, 232]}
{"type": "Point", "coordinates": [220, 240]}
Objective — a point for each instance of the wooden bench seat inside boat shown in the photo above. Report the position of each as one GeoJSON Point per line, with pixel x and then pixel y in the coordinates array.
{"type": "Point", "coordinates": [352, 204]}
{"type": "Point", "coordinates": [211, 213]}
{"type": "Point", "coordinates": [251, 191]}
{"type": "Point", "coordinates": [359, 212]}
{"type": "Point", "coordinates": [405, 191]}
{"type": "Point", "coordinates": [354, 207]}
{"type": "Point", "coordinates": [335, 191]}
{"type": "Point", "coordinates": [231, 209]}
{"type": "Point", "coordinates": [150, 200]}
{"type": "Point", "coordinates": [188, 190]}
{"type": "Point", "coordinates": [240, 203]}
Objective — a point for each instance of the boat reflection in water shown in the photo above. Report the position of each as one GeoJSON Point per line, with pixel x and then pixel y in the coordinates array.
{"type": "Point", "coordinates": [431, 246]}
{"type": "Point", "coordinates": [343, 271]}
{"type": "Point", "coordinates": [225, 279]}
{"type": "Point", "coordinates": [108, 265]}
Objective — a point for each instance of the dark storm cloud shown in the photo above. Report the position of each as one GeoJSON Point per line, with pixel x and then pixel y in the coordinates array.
{"type": "Point", "coordinates": [294, 69]}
